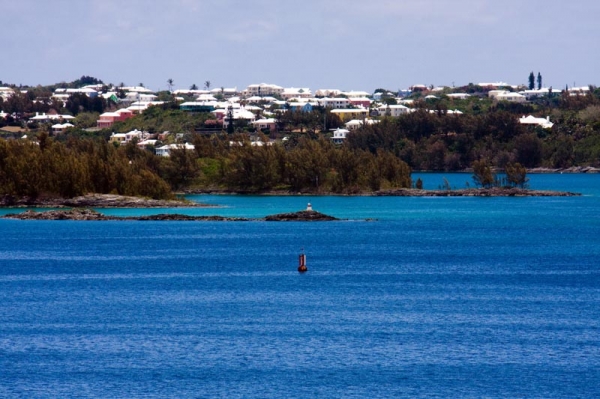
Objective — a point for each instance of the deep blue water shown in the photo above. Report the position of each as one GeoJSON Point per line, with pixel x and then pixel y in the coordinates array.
{"type": "Point", "coordinates": [437, 297]}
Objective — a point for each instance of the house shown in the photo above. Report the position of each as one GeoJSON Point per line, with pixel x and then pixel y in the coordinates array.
{"type": "Point", "coordinates": [529, 94]}
{"type": "Point", "coordinates": [334, 102]}
{"type": "Point", "coordinates": [345, 114]}
{"type": "Point", "coordinates": [165, 150]}
{"type": "Point", "coordinates": [140, 106]}
{"type": "Point", "coordinates": [293, 92]}
{"type": "Point", "coordinates": [225, 91]}
{"type": "Point", "coordinates": [339, 135]}
{"type": "Point", "coordinates": [303, 107]}
{"type": "Point", "coordinates": [394, 110]}
{"type": "Point", "coordinates": [356, 94]}
{"type": "Point", "coordinates": [356, 123]}
{"type": "Point", "coordinates": [127, 137]}
{"type": "Point", "coordinates": [512, 97]}
{"type": "Point", "coordinates": [196, 106]}
{"type": "Point", "coordinates": [532, 120]}
{"type": "Point", "coordinates": [493, 85]}
{"type": "Point", "coordinates": [147, 143]}
{"type": "Point", "coordinates": [459, 96]}
{"type": "Point", "coordinates": [44, 118]}
{"type": "Point", "coordinates": [60, 128]}
{"type": "Point", "coordinates": [84, 90]}
{"type": "Point", "coordinates": [328, 93]}
{"type": "Point", "coordinates": [263, 89]}
{"type": "Point", "coordinates": [360, 102]}
{"type": "Point", "coordinates": [238, 114]}
{"type": "Point", "coordinates": [265, 124]}
{"type": "Point", "coordinates": [6, 92]}
{"type": "Point", "coordinates": [107, 119]}
{"type": "Point", "coordinates": [133, 96]}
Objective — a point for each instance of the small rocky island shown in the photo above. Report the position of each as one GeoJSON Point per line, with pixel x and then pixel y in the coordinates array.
{"type": "Point", "coordinates": [89, 215]}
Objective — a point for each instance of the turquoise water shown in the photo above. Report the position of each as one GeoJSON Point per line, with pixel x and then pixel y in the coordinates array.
{"type": "Point", "coordinates": [437, 297]}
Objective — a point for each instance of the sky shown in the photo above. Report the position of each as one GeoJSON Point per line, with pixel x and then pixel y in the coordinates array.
{"type": "Point", "coordinates": [319, 44]}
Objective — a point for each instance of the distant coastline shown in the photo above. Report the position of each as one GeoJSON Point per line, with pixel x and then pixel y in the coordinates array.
{"type": "Point", "coordinates": [405, 192]}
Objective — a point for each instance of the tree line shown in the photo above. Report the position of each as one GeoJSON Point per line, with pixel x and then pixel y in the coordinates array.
{"type": "Point", "coordinates": [84, 165]}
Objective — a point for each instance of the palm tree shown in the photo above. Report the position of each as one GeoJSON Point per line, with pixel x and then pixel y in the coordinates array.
{"type": "Point", "coordinates": [170, 84]}
{"type": "Point", "coordinates": [141, 85]}
{"type": "Point", "coordinates": [207, 85]}
{"type": "Point", "coordinates": [194, 87]}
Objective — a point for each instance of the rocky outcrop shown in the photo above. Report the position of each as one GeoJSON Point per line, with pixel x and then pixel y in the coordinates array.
{"type": "Point", "coordinates": [89, 214]}
{"type": "Point", "coordinates": [73, 214]}
{"type": "Point", "coordinates": [96, 201]}
{"type": "Point", "coordinates": [301, 216]}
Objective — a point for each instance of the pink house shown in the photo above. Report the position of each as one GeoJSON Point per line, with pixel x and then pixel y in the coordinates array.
{"type": "Point", "coordinates": [108, 118]}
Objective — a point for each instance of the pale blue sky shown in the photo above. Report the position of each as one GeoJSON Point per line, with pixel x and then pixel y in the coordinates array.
{"type": "Point", "coordinates": [338, 44]}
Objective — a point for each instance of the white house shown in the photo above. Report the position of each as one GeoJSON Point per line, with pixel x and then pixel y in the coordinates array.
{"type": "Point", "coordinates": [532, 120]}
{"type": "Point", "coordinates": [43, 117]}
{"type": "Point", "coordinates": [263, 89]}
{"type": "Point", "coordinates": [392, 110]}
{"type": "Point", "coordinates": [292, 92]}
{"type": "Point", "coordinates": [6, 92]}
{"type": "Point", "coordinates": [356, 123]}
{"type": "Point", "coordinates": [335, 102]}
{"type": "Point", "coordinates": [529, 94]}
{"type": "Point", "coordinates": [339, 135]}
{"type": "Point", "coordinates": [354, 94]}
{"type": "Point", "coordinates": [165, 150]}
{"type": "Point", "coordinates": [60, 128]}
{"type": "Point", "coordinates": [512, 97]}
{"type": "Point", "coordinates": [459, 96]}
{"type": "Point", "coordinates": [265, 124]}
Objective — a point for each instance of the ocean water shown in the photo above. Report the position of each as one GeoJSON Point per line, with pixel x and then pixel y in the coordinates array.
{"type": "Point", "coordinates": [432, 297]}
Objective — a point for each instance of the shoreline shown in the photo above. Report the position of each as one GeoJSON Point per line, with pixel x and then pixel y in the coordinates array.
{"type": "Point", "coordinates": [101, 201]}
{"type": "Point", "coordinates": [97, 201]}
{"type": "Point", "coordinates": [404, 192]}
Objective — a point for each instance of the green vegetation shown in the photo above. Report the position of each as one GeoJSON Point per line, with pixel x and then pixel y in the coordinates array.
{"type": "Point", "coordinates": [80, 166]}
{"type": "Point", "coordinates": [486, 137]}
{"type": "Point", "coordinates": [433, 139]}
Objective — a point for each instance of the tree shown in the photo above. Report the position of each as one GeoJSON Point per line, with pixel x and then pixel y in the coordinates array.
{"type": "Point", "coordinates": [207, 85]}
{"type": "Point", "coordinates": [516, 175]}
{"type": "Point", "coordinates": [539, 81]}
{"type": "Point", "coordinates": [482, 174]}
{"type": "Point", "coordinates": [531, 81]}
{"type": "Point", "coordinates": [194, 87]}
{"type": "Point", "coordinates": [170, 84]}
{"type": "Point", "coordinates": [528, 149]}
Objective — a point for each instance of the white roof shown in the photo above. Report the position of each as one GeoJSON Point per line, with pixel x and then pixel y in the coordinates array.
{"type": "Point", "coordinates": [62, 126]}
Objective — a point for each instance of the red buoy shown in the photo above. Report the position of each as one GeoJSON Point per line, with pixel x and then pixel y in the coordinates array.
{"type": "Point", "coordinates": [302, 263]}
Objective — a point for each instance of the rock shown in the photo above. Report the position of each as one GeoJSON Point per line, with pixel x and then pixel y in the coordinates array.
{"type": "Point", "coordinates": [89, 214]}
{"type": "Point", "coordinates": [73, 214]}
{"type": "Point", "coordinates": [301, 216]}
